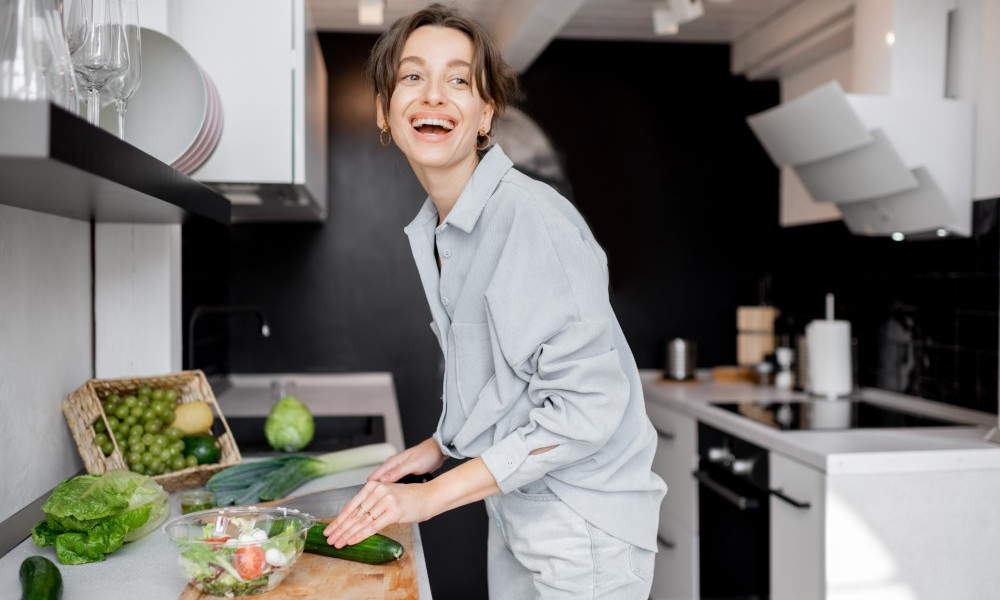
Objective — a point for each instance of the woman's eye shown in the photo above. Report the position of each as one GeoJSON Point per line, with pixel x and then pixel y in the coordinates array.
{"type": "Point", "coordinates": [459, 81]}
{"type": "Point", "coordinates": [410, 77]}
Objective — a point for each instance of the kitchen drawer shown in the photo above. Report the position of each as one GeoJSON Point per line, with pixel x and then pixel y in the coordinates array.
{"type": "Point", "coordinates": [675, 461]}
{"type": "Point", "coordinates": [675, 574]}
{"type": "Point", "coordinates": [797, 532]}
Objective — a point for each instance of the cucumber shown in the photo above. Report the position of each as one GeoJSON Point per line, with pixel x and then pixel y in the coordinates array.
{"type": "Point", "coordinates": [40, 579]}
{"type": "Point", "coordinates": [375, 550]}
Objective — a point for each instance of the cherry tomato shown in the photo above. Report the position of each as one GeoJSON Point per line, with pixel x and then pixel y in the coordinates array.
{"type": "Point", "coordinates": [249, 561]}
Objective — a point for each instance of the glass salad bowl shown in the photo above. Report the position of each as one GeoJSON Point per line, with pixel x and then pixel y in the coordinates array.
{"type": "Point", "coordinates": [238, 551]}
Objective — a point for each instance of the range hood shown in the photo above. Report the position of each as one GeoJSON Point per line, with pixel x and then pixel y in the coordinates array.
{"type": "Point", "coordinates": [897, 159]}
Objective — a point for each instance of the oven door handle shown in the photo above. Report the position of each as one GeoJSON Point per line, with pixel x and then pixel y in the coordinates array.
{"type": "Point", "coordinates": [780, 495]}
{"type": "Point", "coordinates": [739, 501]}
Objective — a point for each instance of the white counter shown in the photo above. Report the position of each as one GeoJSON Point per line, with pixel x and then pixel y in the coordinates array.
{"type": "Point", "coordinates": [148, 569]}
{"type": "Point", "coordinates": [853, 451]}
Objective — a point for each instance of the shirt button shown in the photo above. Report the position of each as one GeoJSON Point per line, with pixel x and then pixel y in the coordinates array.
{"type": "Point", "coordinates": [510, 463]}
{"type": "Point", "coordinates": [446, 253]}
{"type": "Point", "coordinates": [444, 300]}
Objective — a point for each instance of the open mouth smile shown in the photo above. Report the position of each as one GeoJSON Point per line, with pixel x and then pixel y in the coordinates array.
{"type": "Point", "coordinates": [432, 126]}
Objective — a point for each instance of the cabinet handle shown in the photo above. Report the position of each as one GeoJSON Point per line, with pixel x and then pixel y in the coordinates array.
{"type": "Point", "coordinates": [739, 501]}
{"type": "Point", "coordinates": [667, 436]}
{"type": "Point", "coordinates": [665, 542]}
{"type": "Point", "coordinates": [780, 495]}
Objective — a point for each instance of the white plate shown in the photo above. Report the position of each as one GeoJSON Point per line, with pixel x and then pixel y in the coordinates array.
{"type": "Point", "coordinates": [208, 137]}
{"type": "Point", "coordinates": [170, 107]}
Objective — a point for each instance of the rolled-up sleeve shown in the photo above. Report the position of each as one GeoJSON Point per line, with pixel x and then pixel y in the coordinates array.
{"type": "Point", "coordinates": [548, 309]}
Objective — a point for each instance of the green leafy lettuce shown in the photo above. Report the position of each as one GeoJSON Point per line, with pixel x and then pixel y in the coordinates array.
{"type": "Point", "coordinates": [89, 516]}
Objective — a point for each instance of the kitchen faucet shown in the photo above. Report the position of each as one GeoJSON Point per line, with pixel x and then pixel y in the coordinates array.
{"type": "Point", "coordinates": [265, 330]}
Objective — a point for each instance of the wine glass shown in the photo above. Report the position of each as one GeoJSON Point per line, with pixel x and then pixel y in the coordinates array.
{"type": "Point", "coordinates": [34, 61]}
{"type": "Point", "coordinates": [120, 87]}
{"type": "Point", "coordinates": [103, 53]}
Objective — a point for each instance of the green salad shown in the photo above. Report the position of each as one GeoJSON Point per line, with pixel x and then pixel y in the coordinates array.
{"type": "Point", "coordinates": [245, 562]}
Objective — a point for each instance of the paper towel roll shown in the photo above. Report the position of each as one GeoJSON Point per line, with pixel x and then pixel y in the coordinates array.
{"type": "Point", "coordinates": [829, 345]}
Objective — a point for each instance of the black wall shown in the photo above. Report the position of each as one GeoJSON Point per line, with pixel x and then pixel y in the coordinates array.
{"type": "Point", "coordinates": [653, 140]}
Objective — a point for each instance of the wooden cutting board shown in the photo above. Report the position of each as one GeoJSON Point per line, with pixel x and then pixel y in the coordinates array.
{"type": "Point", "coordinates": [321, 578]}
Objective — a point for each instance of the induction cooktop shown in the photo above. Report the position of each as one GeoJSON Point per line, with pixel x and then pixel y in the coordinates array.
{"type": "Point", "coordinates": [831, 414]}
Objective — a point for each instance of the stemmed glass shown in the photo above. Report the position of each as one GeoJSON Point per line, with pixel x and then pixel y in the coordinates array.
{"type": "Point", "coordinates": [103, 53]}
{"type": "Point", "coordinates": [120, 87]}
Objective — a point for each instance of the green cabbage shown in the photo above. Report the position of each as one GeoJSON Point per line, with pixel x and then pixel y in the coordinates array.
{"type": "Point", "coordinates": [289, 427]}
{"type": "Point", "coordinates": [89, 516]}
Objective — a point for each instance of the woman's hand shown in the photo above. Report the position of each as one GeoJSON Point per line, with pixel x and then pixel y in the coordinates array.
{"type": "Point", "coordinates": [380, 504]}
{"type": "Point", "coordinates": [377, 506]}
{"type": "Point", "coordinates": [425, 457]}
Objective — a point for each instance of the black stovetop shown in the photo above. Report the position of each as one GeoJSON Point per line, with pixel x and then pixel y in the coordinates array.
{"type": "Point", "coordinates": [848, 413]}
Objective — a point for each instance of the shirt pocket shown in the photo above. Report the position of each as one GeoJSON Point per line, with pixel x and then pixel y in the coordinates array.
{"type": "Point", "coordinates": [473, 360]}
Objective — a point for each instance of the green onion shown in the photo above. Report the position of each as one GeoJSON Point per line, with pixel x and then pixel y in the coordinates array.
{"type": "Point", "coordinates": [275, 478]}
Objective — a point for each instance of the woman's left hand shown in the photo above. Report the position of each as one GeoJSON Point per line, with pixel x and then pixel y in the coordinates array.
{"type": "Point", "coordinates": [377, 506]}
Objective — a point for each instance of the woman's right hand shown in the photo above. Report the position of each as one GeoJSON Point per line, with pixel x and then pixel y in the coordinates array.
{"type": "Point", "coordinates": [425, 457]}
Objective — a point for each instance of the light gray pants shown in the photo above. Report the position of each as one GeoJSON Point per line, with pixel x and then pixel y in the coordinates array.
{"type": "Point", "coordinates": [540, 549]}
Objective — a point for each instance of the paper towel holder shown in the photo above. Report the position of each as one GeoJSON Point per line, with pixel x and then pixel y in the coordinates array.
{"type": "Point", "coordinates": [831, 356]}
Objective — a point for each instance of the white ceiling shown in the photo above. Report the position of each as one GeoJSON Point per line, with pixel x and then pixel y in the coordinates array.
{"type": "Point", "coordinates": [524, 27]}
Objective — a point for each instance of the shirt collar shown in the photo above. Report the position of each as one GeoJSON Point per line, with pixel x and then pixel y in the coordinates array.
{"type": "Point", "coordinates": [465, 214]}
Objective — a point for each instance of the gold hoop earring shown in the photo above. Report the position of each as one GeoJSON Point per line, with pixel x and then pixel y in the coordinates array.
{"type": "Point", "coordinates": [488, 141]}
{"type": "Point", "coordinates": [382, 136]}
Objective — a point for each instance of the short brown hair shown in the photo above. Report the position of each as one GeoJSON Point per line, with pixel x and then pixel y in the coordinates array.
{"type": "Point", "coordinates": [495, 80]}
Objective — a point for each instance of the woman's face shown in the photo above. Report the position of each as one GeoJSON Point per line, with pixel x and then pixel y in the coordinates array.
{"type": "Point", "coordinates": [435, 112]}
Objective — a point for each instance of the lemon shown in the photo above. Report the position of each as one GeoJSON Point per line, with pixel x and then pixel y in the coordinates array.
{"type": "Point", "coordinates": [193, 417]}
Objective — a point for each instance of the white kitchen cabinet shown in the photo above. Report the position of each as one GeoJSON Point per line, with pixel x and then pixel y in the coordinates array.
{"type": "Point", "coordinates": [676, 572]}
{"type": "Point", "coordinates": [797, 538]}
{"type": "Point", "coordinates": [264, 58]}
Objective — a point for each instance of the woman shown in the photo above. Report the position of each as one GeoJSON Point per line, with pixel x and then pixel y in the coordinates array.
{"type": "Point", "coordinates": [541, 394]}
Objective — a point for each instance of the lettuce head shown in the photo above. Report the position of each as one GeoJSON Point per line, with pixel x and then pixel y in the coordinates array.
{"type": "Point", "coordinates": [89, 516]}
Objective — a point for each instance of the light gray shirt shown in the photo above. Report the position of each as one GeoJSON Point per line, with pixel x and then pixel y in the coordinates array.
{"type": "Point", "coordinates": [534, 355]}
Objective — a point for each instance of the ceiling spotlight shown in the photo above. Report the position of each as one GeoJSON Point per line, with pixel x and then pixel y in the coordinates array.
{"type": "Point", "coordinates": [942, 232]}
{"type": "Point", "coordinates": [898, 237]}
{"type": "Point", "coordinates": [667, 20]}
{"type": "Point", "coordinates": [370, 12]}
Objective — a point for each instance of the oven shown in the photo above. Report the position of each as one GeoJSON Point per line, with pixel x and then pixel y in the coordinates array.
{"type": "Point", "coordinates": [733, 516]}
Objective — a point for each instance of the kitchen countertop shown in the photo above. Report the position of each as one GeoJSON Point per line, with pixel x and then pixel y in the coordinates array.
{"type": "Point", "coordinates": [147, 568]}
{"type": "Point", "coordinates": [343, 394]}
{"type": "Point", "coordinates": [852, 451]}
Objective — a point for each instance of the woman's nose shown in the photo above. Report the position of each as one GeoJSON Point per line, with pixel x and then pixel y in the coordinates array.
{"type": "Point", "coordinates": [433, 95]}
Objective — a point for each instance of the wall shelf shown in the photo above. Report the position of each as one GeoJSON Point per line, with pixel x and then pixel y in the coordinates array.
{"type": "Point", "coordinates": [54, 162]}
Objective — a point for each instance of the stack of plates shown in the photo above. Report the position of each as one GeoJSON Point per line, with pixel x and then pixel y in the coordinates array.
{"type": "Point", "coordinates": [176, 114]}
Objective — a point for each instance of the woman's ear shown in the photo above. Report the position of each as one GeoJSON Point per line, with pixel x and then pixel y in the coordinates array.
{"type": "Point", "coordinates": [379, 115]}
{"type": "Point", "coordinates": [487, 120]}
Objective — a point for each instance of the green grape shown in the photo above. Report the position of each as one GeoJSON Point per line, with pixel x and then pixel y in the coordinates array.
{"type": "Point", "coordinates": [113, 422]}
{"type": "Point", "coordinates": [148, 458]}
{"type": "Point", "coordinates": [141, 469]}
{"type": "Point", "coordinates": [173, 434]}
{"type": "Point", "coordinates": [159, 441]}
{"type": "Point", "coordinates": [133, 458]}
{"type": "Point", "coordinates": [113, 399]}
{"type": "Point", "coordinates": [169, 415]}
{"type": "Point", "coordinates": [131, 401]}
{"type": "Point", "coordinates": [136, 411]}
{"type": "Point", "coordinates": [147, 438]}
{"type": "Point", "coordinates": [157, 394]}
{"type": "Point", "coordinates": [107, 448]}
{"type": "Point", "coordinates": [122, 411]}
{"type": "Point", "coordinates": [178, 445]}
{"type": "Point", "coordinates": [191, 461]}
{"type": "Point", "coordinates": [123, 445]}
{"type": "Point", "coordinates": [131, 420]}
{"type": "Point", "coordinates": [145, 390]}
{"type": "Point", "coordinates": [136, 429]}
{"type": "Point", "coordinates": [173, 450]}
{"type": "Point", "coordinates": [100, 438]}
{"type": "Point", "coordinates": [177, 463]}
{"type": "Point", "coordinates": [138, 446]}
{"type": "Point", "coordinates": [147, 414]}
{"type": "Point", "coordinates": [157, 466]}
{"type": "Point", "coordinates": [100, 427]}
{"type": "Point", "coordinates": [154, 425]}
{"type": "Point", "coordinates": [170, 396]}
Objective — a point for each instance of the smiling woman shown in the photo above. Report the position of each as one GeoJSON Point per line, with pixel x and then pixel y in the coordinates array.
{"type": "Point", "coordinates": [542, 400]}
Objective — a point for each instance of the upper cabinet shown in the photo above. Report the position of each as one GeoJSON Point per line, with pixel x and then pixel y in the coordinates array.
{"type": "Point", "coordinates": [265, 60]}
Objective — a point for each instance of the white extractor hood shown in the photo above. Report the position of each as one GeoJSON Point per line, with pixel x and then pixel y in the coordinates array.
{"type": "Point", "coordinates": [896, 159]}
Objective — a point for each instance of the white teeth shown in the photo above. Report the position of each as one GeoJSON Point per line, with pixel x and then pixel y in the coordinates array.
{"type": "Point", "coordinates": [439, 122]}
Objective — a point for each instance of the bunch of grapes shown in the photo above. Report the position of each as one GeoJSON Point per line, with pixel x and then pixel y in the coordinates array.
{"type": "Point", "coordinates": [140, 423]}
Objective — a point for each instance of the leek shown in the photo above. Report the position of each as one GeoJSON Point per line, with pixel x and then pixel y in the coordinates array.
{"type": "Point", "coordinates": [276, 478]}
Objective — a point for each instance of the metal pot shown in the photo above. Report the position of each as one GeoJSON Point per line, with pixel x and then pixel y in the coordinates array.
{"type": "Point", "coordinates": [681, 359]}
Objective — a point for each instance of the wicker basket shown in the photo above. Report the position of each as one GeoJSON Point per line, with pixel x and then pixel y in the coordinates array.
{"type": "Point", "coordinates": [83, 408]}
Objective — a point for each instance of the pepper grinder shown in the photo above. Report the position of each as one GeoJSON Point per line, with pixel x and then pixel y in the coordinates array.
{"type": "Point", "coordinates": [784, 379]}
